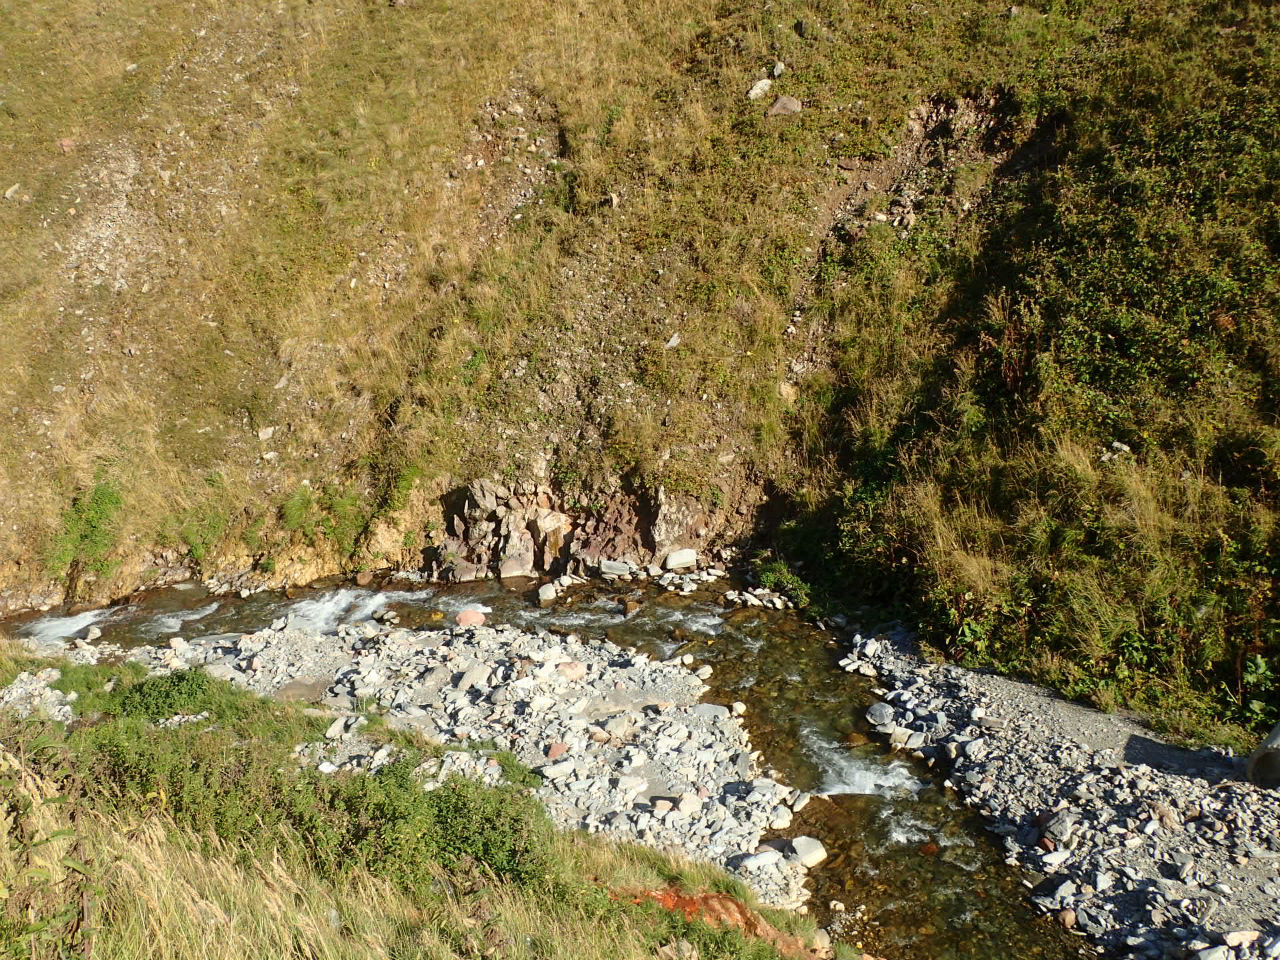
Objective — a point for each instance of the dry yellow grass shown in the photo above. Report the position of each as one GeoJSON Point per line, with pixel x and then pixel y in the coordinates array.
{"type": "Point", "coordinates": [150, 890]}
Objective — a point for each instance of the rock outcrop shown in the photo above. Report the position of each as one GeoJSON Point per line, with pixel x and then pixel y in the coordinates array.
{"type": "Point", "coordinates": [527, 529]}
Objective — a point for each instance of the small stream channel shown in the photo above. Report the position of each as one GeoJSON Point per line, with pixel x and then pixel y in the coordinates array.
{"type": "Point", "coordinates": [920, 877]}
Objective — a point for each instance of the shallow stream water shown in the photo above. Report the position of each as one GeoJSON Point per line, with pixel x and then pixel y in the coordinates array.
{"type": "Point", "coordinates": [920, 878]}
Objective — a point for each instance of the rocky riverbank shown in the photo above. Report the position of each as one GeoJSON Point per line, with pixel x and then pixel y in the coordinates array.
{"type": "Point", "coordinates": [623, 744]}
{"type": "Point", "coordinates": [1151, 850]}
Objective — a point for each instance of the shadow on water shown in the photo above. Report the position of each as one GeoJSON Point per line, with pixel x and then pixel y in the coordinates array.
{"type": "Point", "coordinates": [918, 874]}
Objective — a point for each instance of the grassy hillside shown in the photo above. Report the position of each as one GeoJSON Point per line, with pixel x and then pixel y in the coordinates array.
{"type": "Point", "coordinates": [275, 275]}
{"type": "Point", "coordinates": [1066, 456]}
{"type": "Point", "coordinates": [124, 839]}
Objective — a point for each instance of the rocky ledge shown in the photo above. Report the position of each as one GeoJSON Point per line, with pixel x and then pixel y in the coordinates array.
{"type": "Point", "coordinates": [1152, 850]}
{"type": "Point", "coordinates": [623, 744]}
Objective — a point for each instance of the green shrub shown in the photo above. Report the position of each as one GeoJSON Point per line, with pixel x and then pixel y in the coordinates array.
{"type": "Point", "coordinates": [236, 779]}
{"type": "Point", "coordinates": [88, 531]}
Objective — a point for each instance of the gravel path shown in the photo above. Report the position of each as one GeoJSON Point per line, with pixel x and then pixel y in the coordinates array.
{"type": "Point", "coordinates": [1152, 850]}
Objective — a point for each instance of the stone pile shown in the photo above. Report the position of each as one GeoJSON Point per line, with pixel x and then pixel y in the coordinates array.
{"type": "Point", "coordinates": [622, 743]}
{"type": "Point", "coordinates": [32, 695]}
{"type": "Point", "coordinates": [757, 597]}
{"type": "Point", "coordinates": [1151, 850]}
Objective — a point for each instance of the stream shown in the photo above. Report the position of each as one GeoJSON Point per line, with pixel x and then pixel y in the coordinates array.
{"type": "Point", "coordinates": [920, 877]}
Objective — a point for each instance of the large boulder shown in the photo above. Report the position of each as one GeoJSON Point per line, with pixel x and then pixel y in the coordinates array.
{"type": "Point", "coordinates": [1264, 763]}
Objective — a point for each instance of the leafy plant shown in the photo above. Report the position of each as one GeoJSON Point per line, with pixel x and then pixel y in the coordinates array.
{"type": "Point", "coordinates": [88, 532]}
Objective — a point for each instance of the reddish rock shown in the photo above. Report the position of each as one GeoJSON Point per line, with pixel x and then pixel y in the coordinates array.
{"type": "Point", "coordinates": [364, 578]}
{"type": "Point", "coordinates": [557, 750]}
{"type": "Point", "coordinates": [470, 618]}
{"type": "Point", "coordinates": [1046, 844]}
{"type": "Point", "coordinates": [572, 670]}
{"type": "Point", "coordinates": [1067, 917]}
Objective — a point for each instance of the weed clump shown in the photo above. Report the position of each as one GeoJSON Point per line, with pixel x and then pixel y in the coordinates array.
{"type": "Point", "coordinates": [88, 532]}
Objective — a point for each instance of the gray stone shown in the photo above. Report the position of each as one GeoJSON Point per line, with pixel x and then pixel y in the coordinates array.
{"type": "Point", "coordinates": [476, 676]}
{"type": "Point", "coordinates": [337, 728]}
{"type": "Point", "coordinates": [558, 771]}
{"type": "Point", "coordinates": [785, 107]}
{"type": "Point", "coordinates": [765, 858]}
{"type": "Point", "coordinates": [614, 568]}
{"type": "Point", "coordinates": [879, 713]}
{"type": "Point", "coordinates": [1264, 762]}
{"type": "Point", "coordinates": [547, 594]}
{"type": "Point", "coordinates": [710, 711]}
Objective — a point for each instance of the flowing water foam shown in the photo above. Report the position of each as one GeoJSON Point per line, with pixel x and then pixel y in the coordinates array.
{"type": "Point", "coordinates": [844, 771]}
{"type": "Point", "coordinates": [51, 629]}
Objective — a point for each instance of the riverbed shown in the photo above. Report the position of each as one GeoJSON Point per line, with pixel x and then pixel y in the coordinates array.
{"type": "Point", "coordinates": [911, 872]}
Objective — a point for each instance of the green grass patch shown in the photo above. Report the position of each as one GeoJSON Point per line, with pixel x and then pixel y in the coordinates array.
{"type": "Point", "coordinates": [88, 534]}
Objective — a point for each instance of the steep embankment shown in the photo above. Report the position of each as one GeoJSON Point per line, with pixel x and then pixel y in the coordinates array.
{"type": "Point", "coordinates": [991, 313]}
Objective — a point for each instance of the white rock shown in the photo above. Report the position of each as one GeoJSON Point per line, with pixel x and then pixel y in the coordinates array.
{"type": "Point", "coordinates": [558, 771]}
{"type": "Point", "coordinates": [336, 729]}
{"type": "Point", "coordinates": [759, 89]}
{"type": "Point", "coordinates": [808, 851]}
{"type": "Point", "coordinates": [765, 858]}
{"type": "Point", "coordinates": [681, 559]}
